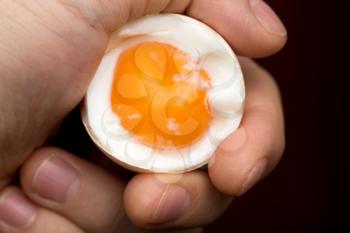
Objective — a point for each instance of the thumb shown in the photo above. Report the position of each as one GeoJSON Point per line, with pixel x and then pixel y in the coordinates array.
{"type": "Point", "coordinates": [49, 51]}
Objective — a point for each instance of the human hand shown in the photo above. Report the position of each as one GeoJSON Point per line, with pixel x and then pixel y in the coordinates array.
{"type": "Point", "coordinates": [57, 65]}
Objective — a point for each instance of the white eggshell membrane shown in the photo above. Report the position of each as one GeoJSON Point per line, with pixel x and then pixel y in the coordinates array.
{"type": "Point", "coordinates": [225, 96]}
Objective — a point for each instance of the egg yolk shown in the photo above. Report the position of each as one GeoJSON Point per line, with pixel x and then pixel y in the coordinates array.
{"type": "Point", "coordinates": [160, 95]}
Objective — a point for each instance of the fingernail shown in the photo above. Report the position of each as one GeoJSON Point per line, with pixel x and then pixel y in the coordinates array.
{"type": "Point", "coordinates": [173, 204]}
{"type": "Point", "coordinates": [56, 180]}
{"type": "Point", "coordinates": [235, 141]}
{"type": "Point", "coordinates": [253, 176]}
{"type": "Point", "coordinates": [16, 210]}
{"type": "Point", "coordinates": [267, 17]}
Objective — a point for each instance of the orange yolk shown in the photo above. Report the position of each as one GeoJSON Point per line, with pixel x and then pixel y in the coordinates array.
{"type": "Point", "coordinates": [160, 96]}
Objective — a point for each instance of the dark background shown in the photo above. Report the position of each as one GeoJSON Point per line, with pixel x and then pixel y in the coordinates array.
{"type": "Point", "coordinates": [308, 190]}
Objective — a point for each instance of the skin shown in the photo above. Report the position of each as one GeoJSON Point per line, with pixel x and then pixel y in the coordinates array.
{"type": "Point", "coordinates": [48, 53]}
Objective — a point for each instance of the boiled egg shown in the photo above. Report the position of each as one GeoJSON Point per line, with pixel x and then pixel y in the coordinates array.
{"type": "Point", "coordinates": [167, 92]}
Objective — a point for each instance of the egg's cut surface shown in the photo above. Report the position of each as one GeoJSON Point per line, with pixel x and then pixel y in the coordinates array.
{"type": "Point", "coordinates": [168, 91]}
{"type": "Point", "coordinates": [157, 96]}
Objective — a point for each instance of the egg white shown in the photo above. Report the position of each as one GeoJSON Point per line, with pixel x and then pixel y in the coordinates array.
{"type": "Point", "coordinates": [225, 96]}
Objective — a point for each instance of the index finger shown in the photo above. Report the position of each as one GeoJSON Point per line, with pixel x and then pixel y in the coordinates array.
{"type": "Point", "coordinates": [250, 26]}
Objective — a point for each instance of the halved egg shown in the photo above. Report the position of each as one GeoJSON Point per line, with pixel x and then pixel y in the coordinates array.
{"type": "Point", "coordinates": [167, 92]}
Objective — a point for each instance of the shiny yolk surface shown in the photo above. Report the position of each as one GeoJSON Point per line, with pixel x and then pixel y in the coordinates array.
{"type": "Point", "coordinates": [160, 96]}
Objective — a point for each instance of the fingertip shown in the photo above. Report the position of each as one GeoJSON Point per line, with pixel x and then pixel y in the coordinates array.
{"type": "Point", "coordinates": [133, 200]}
{"type": "Point", "coordinates": [252, 28]}
{"type": "Point", "coordinates": [16, 210]}
{"type": "Point", "coordinates": [158, 201]}
{"type": "Point", "coordinates": [237, 181]}
{"type": "Point", "coordinates": [20, 214]}
{"type": "Point", "coordinates": [30, 166]}
{"type": "Point", "coordinates": [268, 46]}
{"type": "Point", "coordinates": [270, 25]}
{"type": "Point", "coordinates": [267, 18]}
{"type": "Point", "coordinates": [143, 197]}
{"type": "Point", "coordinates": [225, 178]}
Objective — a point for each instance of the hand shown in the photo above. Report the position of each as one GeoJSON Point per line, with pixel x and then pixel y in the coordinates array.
{"type": "Point", "coordinates": [49, 51]}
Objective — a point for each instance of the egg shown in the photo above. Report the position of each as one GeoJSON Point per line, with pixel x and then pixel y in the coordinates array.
{"type": "Point", "coordinates": [167, 92]}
